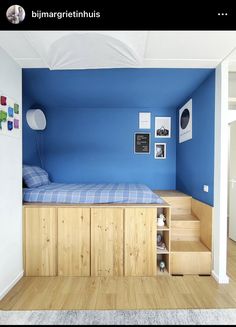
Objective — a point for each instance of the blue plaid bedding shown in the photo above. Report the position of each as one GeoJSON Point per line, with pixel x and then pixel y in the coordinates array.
{"type": "Point", "coordinates": [91, 193]}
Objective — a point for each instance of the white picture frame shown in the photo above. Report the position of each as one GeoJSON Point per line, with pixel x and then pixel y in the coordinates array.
{"type": "Point", "coordinates": [162, 127]}
{"type": "Point", "coordinates": [160, 151]}
{"type": "Point", "coordinates": [144, 120]}
{"type": "Point", "coordinates": [185, 122]}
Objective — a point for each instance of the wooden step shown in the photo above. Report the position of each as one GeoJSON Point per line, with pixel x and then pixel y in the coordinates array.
{"type": "Point", "coordinates": [190, 258]}
{"type": "Point", "coordinates": [187, 217]}
{"type": "Point", "coordinates": [180, 202]}
{"type": "Point", "coordinates": [185, 228]}
{"type": "Point", "coordinates": [188, 246]}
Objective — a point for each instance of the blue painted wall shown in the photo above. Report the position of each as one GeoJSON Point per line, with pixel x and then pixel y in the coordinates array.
{"type": "Point", "coordinates": [195, 158]}
{"type": "Point", "coordinates": [91, 119]}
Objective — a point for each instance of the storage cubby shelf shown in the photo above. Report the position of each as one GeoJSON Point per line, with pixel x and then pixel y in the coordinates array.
{"type": "Point", "coordinates": [163, 228]}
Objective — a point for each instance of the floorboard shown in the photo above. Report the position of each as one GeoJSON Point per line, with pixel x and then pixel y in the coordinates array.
{"type": "Point", "coordinates": [124, 293]}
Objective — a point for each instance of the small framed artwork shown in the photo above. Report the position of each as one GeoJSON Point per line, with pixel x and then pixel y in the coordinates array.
{"type": "Point", "coordinates": [144, 120]}
{"type": "Point", "coordinates": [160, 151]}
{"type": "Point", "coordinates": [185, 122]}
{"type": "Point", "coordinates": [142, 143]}
{"type": "Point", "coordinates": [163, 127]}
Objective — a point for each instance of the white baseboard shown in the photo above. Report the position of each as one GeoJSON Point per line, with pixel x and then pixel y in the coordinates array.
{"type": "Point", "coordinates": [220, 280]}
{"type": "Point", "coordinates": [12, 284]}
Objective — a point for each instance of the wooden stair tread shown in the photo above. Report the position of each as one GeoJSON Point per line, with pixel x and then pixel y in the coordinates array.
{"type": "Point", "coordinates": [188, 246]}
{"type": "Point", "coordinates": [187, 217]}
{"type": "Point", "coordinates": [170, 194]}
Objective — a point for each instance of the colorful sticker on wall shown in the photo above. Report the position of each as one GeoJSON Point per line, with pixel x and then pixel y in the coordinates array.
{"type": "Point", "coordinates": [10, 125]}
{"type": "Point", "coordinates": [10, 112]}
{"type": "Point", "coordinates": [3, 100]}
{"type": "Point", "coordinates": [16, 123]}
{"type": "Point", "coordinates": [3, 118]}
{"type": "Point", "coordinates": [9, 116]}
{"type": "Point", "coordinates": [16, 108]}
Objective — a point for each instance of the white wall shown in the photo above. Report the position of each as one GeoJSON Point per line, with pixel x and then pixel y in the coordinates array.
{"type": "Point", "coordinates": [232, 84]}
{"type": "Point", "coordinates": [232, 185]}
{"type": "Point", "coordinates": [11, 266]}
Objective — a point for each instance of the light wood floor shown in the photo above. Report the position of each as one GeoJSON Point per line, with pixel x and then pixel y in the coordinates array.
{"type": "Point", "coordinates": [48, 293]}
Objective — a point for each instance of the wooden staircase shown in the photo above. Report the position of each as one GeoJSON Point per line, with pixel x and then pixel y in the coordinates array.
{"type": "Point", "coordinates": [190, 234]}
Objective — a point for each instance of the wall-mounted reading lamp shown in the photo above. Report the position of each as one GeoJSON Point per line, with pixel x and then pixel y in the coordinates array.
{"type": "Point", "coordinates": [36, 119]}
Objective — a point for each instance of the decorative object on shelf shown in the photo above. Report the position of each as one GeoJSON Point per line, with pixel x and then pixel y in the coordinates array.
{"type": "Point", "coordinates": [36, 119]}
{"type": "Point", "coordinates": [161, 220]}
{"type": "Point", "coordinates": [163, 127]}
{"type": "Point", "coordinates": [160, 151]}
{"type": "Point", "coordinates": [160, 244]}
{"type": "Point", "coordinates": [162, 265]}
{"type": "Point", "coordinates": [185, 122]}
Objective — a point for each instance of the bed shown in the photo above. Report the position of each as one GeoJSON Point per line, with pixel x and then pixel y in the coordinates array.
{"type": "Point", "coordinates": [91, 193]}
{"type": "Point", "coordinates": [89, 229]}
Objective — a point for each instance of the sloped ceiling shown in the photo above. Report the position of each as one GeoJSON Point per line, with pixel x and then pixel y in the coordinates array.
{"type": "Point", "coordinates": [118, 49]}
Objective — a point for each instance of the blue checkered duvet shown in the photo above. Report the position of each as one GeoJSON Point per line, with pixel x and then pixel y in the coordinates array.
{"type": "Point", "coordinates": [91, 193]}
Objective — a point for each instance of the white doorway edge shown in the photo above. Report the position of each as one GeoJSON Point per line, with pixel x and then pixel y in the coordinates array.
{"type": "Point", "coordinates": [220, 175]}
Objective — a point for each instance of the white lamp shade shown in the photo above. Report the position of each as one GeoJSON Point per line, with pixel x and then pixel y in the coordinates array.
{"type": "Point", "coordinates": [36, 119]}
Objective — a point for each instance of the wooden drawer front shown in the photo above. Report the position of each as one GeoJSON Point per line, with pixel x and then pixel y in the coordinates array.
{"type": "Point", "coordinates": [107, 242]}
{"type": "Point", "coordinates": [40, 242]}
{"type": "Point", "coordinates": [74, 242]}
{"type": "Point", "coordinates": [191, 263]}
{"type": "Point", "coordinates": [140, 242]}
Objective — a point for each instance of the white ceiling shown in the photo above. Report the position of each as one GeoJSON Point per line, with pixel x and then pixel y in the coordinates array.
{"type": "Point", "coordinates": [115, 49]}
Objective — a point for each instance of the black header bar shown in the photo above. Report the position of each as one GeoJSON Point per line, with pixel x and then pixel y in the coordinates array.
{"type": "Point", "coordinates": [115, 15]}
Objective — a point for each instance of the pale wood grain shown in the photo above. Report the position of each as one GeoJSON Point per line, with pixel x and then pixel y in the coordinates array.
{"type": "Point", "coordinates": [191, 262]}
{"type": "Point", "coordinates": [185, 228]}
{"type": "Point", "coordinates": [140, 242]}
{"type": "Point", "coordinates": [95, 205]}
{"type": "Point", "coordinates": [40, 242]}
{"type": "Point", "coordinates": [74, 242]}
{"type": "Point", "coordinates": [179, 205]}
{"type": "Point", "coordinates": [190, 258]}
{"type": "Point", "coordinates": [124, 293]}
{"type": "Point", "coordinates": [107, 257]}
{"type": "Point", "coordinates": [204, 213]}
{"type": "Point", "coordinates": [170, 193]}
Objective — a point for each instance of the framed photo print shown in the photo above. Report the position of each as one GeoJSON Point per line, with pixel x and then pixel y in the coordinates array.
{"type": "Point", "coordinates": [160, 151]}
{"type": "Point", "coordinates": [142, 143]}
{"type": "Point", "coordinates": [163, 127]}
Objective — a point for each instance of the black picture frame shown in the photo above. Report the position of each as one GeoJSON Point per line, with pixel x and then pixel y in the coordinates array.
{"type": "Point", "coordinates": [142, 143]}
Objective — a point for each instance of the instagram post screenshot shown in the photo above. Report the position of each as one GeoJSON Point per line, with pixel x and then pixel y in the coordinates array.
{"type": "Point", "coordinates": [117, 163]}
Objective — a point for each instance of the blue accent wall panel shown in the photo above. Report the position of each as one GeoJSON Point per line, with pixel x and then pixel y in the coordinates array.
{"type": "Point", "coordinates": [97, 146]}
{"type": "Point", "coordinates": [195, 157]}
{"type": "Point", "coordinates": [92, 116]}
{"type": "Point", "coordinates": [31, 138]}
